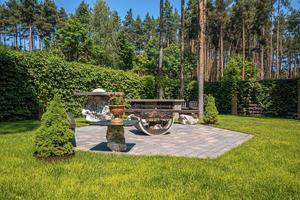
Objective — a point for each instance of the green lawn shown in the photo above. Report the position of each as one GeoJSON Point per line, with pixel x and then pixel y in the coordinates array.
{"type": "Point", "coordinates": [266, 167]}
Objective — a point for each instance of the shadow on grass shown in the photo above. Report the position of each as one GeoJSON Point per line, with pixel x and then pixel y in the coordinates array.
{"type": "Point", "coordinates": [18, 127]}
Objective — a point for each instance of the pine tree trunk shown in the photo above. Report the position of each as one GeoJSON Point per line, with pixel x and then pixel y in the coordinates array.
{"type": "Point", "coordinates": [221, 52]}
{"type": "Point", "coordinates": [202, 24]}
{"type": "Point", "coordinates": [30, 38]}
{"type": "Point", "coordinates": [182, 51]}
{"type": "Point", "coordinates": [40, 43]}
{"type": "Point", "coordinates": [280, 56]}
{"type": "Point", "coordinates": [290, 75]}
{"type": "Point", "coordinates": [215, 76]}
{"type": "Point", "coordinates": [277, 46]}
{"type": "Point", "coordinates": [16, 36]}
{"type": "Point", "coordinates": [270, 56]}
{"type": "Point", "coordinates": [262, 74]}
{"type": "Point", "coordinates": [160, 64]}
{"type": "Point", "coordinates": [296, 67]}
{"type": "Point", "coordinates": [244, 49]}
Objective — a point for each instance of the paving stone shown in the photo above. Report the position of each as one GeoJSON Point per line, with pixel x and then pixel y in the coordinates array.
{"type": "Point", "coordinates": [184, 140]}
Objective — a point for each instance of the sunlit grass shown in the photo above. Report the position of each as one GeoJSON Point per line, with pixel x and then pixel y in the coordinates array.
{"type": "Point", "coordinates": [266, 167]}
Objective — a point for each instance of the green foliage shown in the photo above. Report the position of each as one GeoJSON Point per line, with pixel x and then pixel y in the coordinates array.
{"type": "Point", "coordinates": [82, 13]}
{"type": "Point", "coordinates": [141, 64]}
{"type": "Point", "coordinates": [171, 61]}
{"type": "Point", "coordinates": [54, 137]}
{"type": "Point", "coordinates": [17, 94]}
{"type": "Point", "coordinates": [116, 99]}
{"type": "Point", "coordinates": [31, 79]}
{"type": "Point", "coordinates": [125, 51]}
{"type": "Point", "coordinates": [73, 41]}
{"type": "Point", "coordinates": [233, 70]}
{"type": "Point", "coordinates": [104, 25]}
{"type": "Point", "coordinates": [211, 112]}
{"type": "Point", "coordinates": [46, 19]}
{"type": "Point", "coordinates": [276, 97]}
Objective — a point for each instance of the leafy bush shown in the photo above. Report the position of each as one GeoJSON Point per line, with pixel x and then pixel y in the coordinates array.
{"type": "Point", "coordinates": [54, 137]}
{"type": "Point", "coordinates": [116, 99]}
{"type": "Point", "coordinates": [211, 112]}
{"type": "Point", "coordinates": [233, 69]}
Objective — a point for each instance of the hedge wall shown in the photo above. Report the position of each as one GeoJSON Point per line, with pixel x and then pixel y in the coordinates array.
{"type": "Point", "coordinates": [28, 82]}
{"type": "Point", "coordinates": [31, 79]}
{"type": "Point", "coordinates": [275, 97]}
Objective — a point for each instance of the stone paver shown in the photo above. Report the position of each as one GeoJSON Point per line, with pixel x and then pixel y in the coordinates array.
{"type": "Point", "coordinates": [183, 140]}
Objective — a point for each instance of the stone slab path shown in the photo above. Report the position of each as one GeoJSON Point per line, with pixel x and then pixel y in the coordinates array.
{"type": "Point", "coordinates": [183, 140]}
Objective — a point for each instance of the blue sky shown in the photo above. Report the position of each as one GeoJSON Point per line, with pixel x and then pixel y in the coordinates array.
{"type": "Point", "coordinates": [140, 7]}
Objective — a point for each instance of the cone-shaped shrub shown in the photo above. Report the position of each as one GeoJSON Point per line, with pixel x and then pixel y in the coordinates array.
{"type": "Point", "coordinates": [54, 136]}
{"type": "Point", "coordinates": [211, 112]}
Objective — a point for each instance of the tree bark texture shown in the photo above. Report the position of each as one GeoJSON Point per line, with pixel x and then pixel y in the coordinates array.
{"type": "Point", "coordinates": [201, 57]}
{"type": "Point", "coordinates": [182, 50]}
{"type": "Point", "coordinates": [161, 51]}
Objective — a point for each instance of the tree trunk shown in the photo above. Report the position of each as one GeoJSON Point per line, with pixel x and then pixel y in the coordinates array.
{"type": "Point", "coordinates": [280, 56]}
{"type": "Point", "coordinates": [270, 56]}
{"type": "Point", "coordinates": [296, 67]}
{"type": "Point", "coordinates": [234, 101]}
{"type": "Point", "coordinates": [40, 43]}
{"type": "Point", "coordinates": [16, 36]}
{"type": "Point", "coordinates": [221, 52]}
{"type": "Point", "coordinates": [30, 38]}
{"type": "Point", "coordinates": [244, 50]}
{"type": "Point", "coordinates": [161, 53]}
{"type": "Point", "coordinates": [201, 57]}
{"type": "Point", "coordinates": [262, 74]}
{"type": "Point", "coordinates": [182, 51]}
{"type": "Point", "coordinates": [277, 45]}
{"type": "Point", "coordinates": [290, 74]}
{"type": "Point", "coordinates": [215, 65]}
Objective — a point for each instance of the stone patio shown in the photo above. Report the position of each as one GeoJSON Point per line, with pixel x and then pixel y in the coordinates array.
{"type": "Point", "coordinates": [183, 140]}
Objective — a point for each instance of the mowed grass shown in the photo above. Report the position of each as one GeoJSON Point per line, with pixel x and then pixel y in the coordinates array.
{"type": "Point", "coordinates": [266, 167]}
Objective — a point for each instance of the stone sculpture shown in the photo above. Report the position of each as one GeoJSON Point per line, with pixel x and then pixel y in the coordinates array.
{"type": "Point", "coordinates": [187, 119]}
{"type": "Point", "coordinates": [95, 107]}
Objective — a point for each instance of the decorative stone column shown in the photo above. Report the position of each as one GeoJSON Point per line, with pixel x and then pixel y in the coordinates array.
{"type": "Point", "coordinates": [115, 138]}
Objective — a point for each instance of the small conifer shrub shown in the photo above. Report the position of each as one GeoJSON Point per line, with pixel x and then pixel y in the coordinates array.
{"type": "Point", "coordinates": [54, 137]}
{"type": "Point", "coordinates": [211, 112]}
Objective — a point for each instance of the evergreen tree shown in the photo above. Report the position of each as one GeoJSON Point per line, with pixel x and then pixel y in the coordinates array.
{"type": "Point", "coordinates": [29, 9]}
{"type": "Point", "coordinates": [104, 24]}
{"type": "Point", "coordinates": [83, 13]}
{"type": "Point", "coordinates": [211, 112]}
{"type": "Point", "coordinates": [62, 16]}
{"type": "Point", "coordinates": [54, 137]}
{"type": "Point", "coordinates": [149, 28]}
{"type": "Point", "coordinates": [125, 51]}
{"type": "Point", "coordinates": [13, 19]}
{"type": "Point", "coordinates": [46, 21]}
{"type": "Point", "coordinates": [128, 25]}
{"type": "Point", "coordinates": [73, 41]}
{"type": "Point", "coordinates": [171, 22]}
{"type": "Point", "coordinates": [138, 34]}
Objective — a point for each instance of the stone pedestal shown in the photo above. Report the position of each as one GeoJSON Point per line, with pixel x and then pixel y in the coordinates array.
{"type": "Point", "coordinates": [115, 138]}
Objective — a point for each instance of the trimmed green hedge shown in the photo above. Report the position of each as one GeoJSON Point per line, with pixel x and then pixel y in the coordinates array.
{"type": "Point", "coordinates": [30, 80]}
{"type": "Point", "coordinates": [276, 97]}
